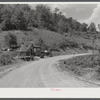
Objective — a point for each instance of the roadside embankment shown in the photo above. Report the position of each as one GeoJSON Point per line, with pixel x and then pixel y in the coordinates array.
{"type": "Point", "coordinates": [86, 68]}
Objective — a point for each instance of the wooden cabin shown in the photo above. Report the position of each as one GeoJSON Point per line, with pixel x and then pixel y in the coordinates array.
{"type": "Point", "coordinates": [28, 51]}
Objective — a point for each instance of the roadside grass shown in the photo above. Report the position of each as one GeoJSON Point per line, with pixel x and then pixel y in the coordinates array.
{"type": "Point", "coordinates": [8, 68]}
{"type": "Point", "coordinates": [87, 66]}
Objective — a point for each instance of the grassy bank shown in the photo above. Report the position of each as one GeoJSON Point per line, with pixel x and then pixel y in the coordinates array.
{"type": "Point", "coordinates": [87, 67]}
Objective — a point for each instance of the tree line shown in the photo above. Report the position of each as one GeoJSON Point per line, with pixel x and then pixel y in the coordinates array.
{"type": "Point", "coordinates": [21, 17]}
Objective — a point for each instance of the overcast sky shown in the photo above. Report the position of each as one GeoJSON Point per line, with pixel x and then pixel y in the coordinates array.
{"type": "Point", "coordinates": [82, 12]}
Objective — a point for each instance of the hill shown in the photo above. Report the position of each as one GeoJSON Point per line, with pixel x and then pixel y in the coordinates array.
{"type": "Point", "coordinates": [50, 39]}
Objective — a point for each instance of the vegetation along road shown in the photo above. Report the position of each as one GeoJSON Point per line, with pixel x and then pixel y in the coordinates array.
{"type": "Point", "coordinates": [42, 73]}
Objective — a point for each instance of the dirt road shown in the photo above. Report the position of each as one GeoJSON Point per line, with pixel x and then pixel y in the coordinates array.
{"type": "Point", "coordinates": [42, 73]}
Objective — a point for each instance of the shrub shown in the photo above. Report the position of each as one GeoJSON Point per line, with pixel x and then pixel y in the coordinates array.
{"type": "Point", "coordinates": [6, 59]}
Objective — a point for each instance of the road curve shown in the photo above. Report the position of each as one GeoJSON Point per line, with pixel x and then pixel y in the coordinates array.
{"type": "Point", "coordinates": [42, 73]}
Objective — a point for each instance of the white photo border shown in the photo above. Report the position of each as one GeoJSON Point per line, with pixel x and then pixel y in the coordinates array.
{"type": "Point", "coordinates": [46, 92]}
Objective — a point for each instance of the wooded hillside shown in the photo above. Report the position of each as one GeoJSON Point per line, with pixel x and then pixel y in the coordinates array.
{"type": "Point", "coordinates": [32, 25]}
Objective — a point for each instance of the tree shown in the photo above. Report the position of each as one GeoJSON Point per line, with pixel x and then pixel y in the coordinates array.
{"type": "Point", "coordinates": [56, 10]}
{"type": "Point", "coordinates": [61, 26]}
{"type": "Point", "coordinates": [42, 44]}
{"type": "Point", "coordinates": [43, 16]}
{"type": "Point", "coordinates": [99, 27]}
{"type": "Point", "coordinates": [10, 39]}
{"type": "Point", "coordinates": [92, 27]}
{"type": "Point", "coordinates": [6, 13]}
{"type": "Point", "coordinates": [83, 27]}
{"type": "Point", "coordinates": [14, 17]}
{"type": "Point", "coordinates": [20, 17]}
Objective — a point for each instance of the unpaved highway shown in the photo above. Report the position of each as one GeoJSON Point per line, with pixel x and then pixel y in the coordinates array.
{"type": "Point", "coordinates": [42, 73]}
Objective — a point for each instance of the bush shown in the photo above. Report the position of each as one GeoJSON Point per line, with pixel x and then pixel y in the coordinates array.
{"type": "Point", "coordinates": [13, 53]}
{"type": "Point", "coordinates": [6, 59]}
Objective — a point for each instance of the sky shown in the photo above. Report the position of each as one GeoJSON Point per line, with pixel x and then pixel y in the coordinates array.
{"type": "Point", "coordinates": [82, 12]}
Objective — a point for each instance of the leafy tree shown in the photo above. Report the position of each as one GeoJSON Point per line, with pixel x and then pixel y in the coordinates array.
{"type": "Point", "coordinates": [42, 44]}
{"type": "Point", "coordinates": [20, 17]}
{"type": "Point", "coordinates": [56, 10]}
{"type": "Point", "coordinates": [14, 17]}
{"type": "Point", "coordinates": [83, 27]}
{"type": "Point", "coordinates": [43, 16]}
{"type": "Point", "coordinates": [10, 39]}
{"type": "Point", "coordinates": [92, 27]}
{"type": "Point", "coordinates": [6, 13]}
{"type": "Point", "coordinates": [99, 27]}
{"type": "Point", "coordinates": [62, 25]}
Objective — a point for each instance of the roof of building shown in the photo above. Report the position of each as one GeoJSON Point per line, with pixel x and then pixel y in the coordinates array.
{"type": "Point", "coordinates": [26, 47]}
